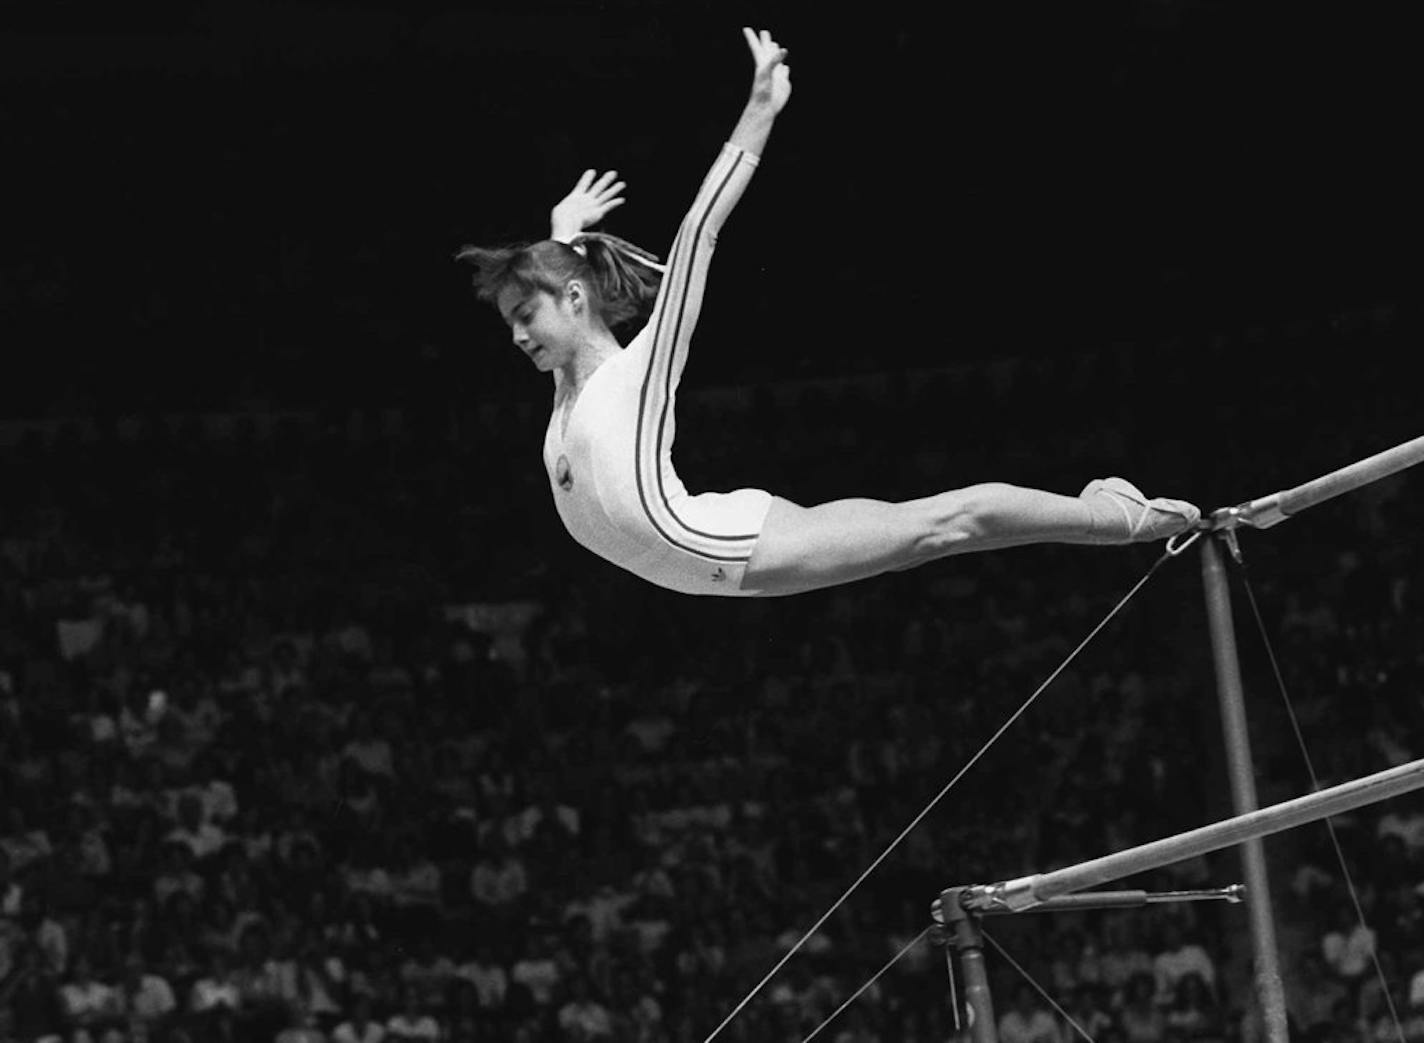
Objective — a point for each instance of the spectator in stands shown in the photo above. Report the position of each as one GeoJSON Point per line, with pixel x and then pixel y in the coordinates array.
{"type": "Point", "coordinates": [300, 1028]}
{"type": "Point", "coordinates": [1414, 975]}
{"type": "Point", "coordinates": [139, 717]}
{"type": "Point", "coordinates": [1089, 1008]}
{"type": "Point", "coordinates": [48, 933]}
{"type": "Point", "coordinates": [91, 1008]}
{"type": "Point", "coordinates": [367, 750]}
{"type": "Point", "coordinates": [11, 891]}
{"type": "Point", "coordinates": [1141, 1018]}
{"type": "Point", "coordinates": [145, 997]}
{"type": "Point", "coordinates": [1311, 994]}
{"type": "Point", "coordinates": [582, 1015]}
{"type": "Point", "coordinates": [359, 1027]}
{"type": "Point", "coordinates": [602, 906]}
{"type": "Point", "coordinates": [360, 796]}
{"type": "Point", "coordinates": [466, 1018]}
{"type": "Point", "coordinates": [1374, 1021]}
{"type": "Point", "coordinates": [1123, 957]}
{"type": "Point", "coordinates": [536, 971]}
{"type": "Point", "coordinates": [285, 672]}
{"type": "Point", "coordinates": [426, 975]}
{"type": "Point", "coordinates": [195, 710]}
{"type": "Point", "coordinates": [1067, 958]}
{"type": "Point", "coordinates": [31, 994]}
{"type": "Point", "coordinates": [547, 814]}
{"type": "Point", "coordinates": [498, 880]}
{"type": "Point", "coordinates": [366, 872]}
{"type": "Point", "coordinates": [22, 842]}
{"type": "Point", "coordinates": [486, 974]}
{"type": "Point", "coordinates": [96, 860]}
{"type": "Point", "coordinates": [321, 979]}
{"type": "Point", "coordinates": [355, 928]}
{"type": "Point", "coordinates": [1193, 1013]}
{"type": "Point", "coordinates": [13, 941]}
{"type": "Point", "coordinates": [1178, 956]}
{"type": "Point", "coordinates": [218, 988]}
{"type": "Point", "coordinates": [1027, 1020]}
{"type": "Point", "coordinates": [1343, 1026]}
{"type": "Point", "coordinates": [411, 1022]}
{"type": "Point", "coordinates": [266, 984]}
{"type": "Point", "coordinates": [415, 880]}
{"type": "Point", "coordinates": [197, 831]}
{"type": "Point", "coordinates": [1348, 947]}
{"type": "Point", "coordinates": [178, 875]}
{"type": "Point", "coordinates": [374, 977]}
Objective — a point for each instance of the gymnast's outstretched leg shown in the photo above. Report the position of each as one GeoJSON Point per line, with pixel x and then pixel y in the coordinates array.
{"type": "Point", "coordinates": [807, 548]}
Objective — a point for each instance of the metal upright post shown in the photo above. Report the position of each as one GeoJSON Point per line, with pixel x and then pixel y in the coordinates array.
{"type": "Point", "coordinates": [1242, 772]}
{"type": "Point", "coordinates": [968, 942]}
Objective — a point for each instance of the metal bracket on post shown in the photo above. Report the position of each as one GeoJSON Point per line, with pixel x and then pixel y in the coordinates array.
{"type": "Point", "coordinates": [1233, 544]}
{"type": "Point", "coordinates": [961, 929]}
{"type": "Point", "coordinates": [1226, 521]}
{"type": "Point", "coordinates": [1263, 513]}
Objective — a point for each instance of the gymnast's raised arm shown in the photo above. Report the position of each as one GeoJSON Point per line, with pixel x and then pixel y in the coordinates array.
{"type": "Point", "coordinates": [624, 279]}
{"type": "Point", "coordinates": [594, 194]}
{"type": "Point", "coordinates": [771, 89]}
{"type": "Point", "coordinates": [670, 326]}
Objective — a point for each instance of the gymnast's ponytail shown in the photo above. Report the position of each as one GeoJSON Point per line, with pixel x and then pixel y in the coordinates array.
{"type": "Point", "coordinates": [627, 276]}
{"type": "Point", "coordinates": [623, 279]}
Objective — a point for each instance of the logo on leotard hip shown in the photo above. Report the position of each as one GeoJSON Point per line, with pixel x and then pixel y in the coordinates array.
{"type": "Point", "coordinates": [563, 475]}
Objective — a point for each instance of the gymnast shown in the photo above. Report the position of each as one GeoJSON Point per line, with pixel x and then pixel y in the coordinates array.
{"type": "Point", "coordinates": [608, 447]}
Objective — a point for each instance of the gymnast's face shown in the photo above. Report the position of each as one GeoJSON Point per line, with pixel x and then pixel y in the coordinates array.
{"type": "Point", "coordinates": [543, 326]}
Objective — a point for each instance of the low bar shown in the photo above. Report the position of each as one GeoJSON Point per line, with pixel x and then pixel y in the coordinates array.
{"type": "Point", "coordinates": [1133, 899]}
{"type": "Point", "coordinates": [1026, 892]}
{"type": "Point", "coordinates": [1113, 900]}
{"type": "Point", "coordinates": [1270, 510]}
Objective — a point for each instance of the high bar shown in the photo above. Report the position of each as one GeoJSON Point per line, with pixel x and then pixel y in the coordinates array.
{"type": "Point", "coordinates": [1025, 892]}
{"type": "Point", "coordinates": [1270, 510]}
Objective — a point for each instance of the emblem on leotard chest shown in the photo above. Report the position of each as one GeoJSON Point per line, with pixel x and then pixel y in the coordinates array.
{"type": "Point", "coordinates": [563, 475]}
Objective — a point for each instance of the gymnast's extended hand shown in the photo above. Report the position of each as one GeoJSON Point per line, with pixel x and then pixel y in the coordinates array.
{"type": "Point", "coordinates": [771, 82]}
{"type": "Point", "coordinates": [590, 200]}
{"type": "Point", "coordinates": [771, 90]}
{"type": "Point", "coordinates": [586, 204]}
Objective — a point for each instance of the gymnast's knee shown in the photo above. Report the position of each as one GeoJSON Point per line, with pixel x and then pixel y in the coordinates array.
{"type": "Point", "coordinates": [954, 522]}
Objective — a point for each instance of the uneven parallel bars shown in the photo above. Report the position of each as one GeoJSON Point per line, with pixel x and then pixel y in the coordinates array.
{"type": "Point", "coordinates": [1024, 892]}
{"type": "Point", "coordinates": [1266, 511]}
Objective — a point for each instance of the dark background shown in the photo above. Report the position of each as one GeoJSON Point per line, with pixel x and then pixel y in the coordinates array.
{"type": "Point", "coordinates": [224, 203]}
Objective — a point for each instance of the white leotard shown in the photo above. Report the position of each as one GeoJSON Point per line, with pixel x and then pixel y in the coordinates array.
{"type": "Point", "coordinates": [610, 467]}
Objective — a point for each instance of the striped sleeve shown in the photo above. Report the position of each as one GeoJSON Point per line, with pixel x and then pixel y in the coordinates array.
{"type": "Point", "coordinates": [665, 339]}
{"type": "Point", "coordinates": [679, 299]}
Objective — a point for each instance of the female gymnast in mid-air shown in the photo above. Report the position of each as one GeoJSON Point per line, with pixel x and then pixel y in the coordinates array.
{"type": "Point", "coordinates": [608, 448]}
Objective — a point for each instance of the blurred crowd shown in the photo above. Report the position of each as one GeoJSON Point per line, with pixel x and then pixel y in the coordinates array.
{"type": "Point", "coordinates": [321, 730]}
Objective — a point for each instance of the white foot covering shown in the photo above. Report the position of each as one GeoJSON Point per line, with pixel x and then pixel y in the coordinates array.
{"type": "Point", "coordinates": [1122, 514]}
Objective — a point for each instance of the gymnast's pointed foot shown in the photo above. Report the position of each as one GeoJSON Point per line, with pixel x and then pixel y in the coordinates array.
{"type": "Point", "coordinates": [1123, 514]}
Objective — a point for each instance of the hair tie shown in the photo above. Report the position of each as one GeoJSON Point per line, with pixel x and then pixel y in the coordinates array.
{"type": "Point", "coordinates": [576, 244]}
